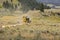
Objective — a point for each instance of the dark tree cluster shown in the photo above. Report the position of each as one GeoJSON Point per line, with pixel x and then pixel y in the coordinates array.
{"type": "Point", "coordinates": [32, 4]}
{"type": "Point", "coordinates": [8, 5]}
{"type": "Point", "coordinates": [26, 5]}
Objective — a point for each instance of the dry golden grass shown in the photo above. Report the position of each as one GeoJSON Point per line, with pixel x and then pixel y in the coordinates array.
{"type": "Point", "coordinates": [40, 28]}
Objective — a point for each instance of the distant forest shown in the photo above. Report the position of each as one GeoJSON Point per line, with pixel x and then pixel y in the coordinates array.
{"type": "Point", "coordinates": [25, 5]}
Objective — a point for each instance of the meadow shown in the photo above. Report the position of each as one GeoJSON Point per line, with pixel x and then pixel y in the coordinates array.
{"type": "Point", "coordinates": [43, 26]}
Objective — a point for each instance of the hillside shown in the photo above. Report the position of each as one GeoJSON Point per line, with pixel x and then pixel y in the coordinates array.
{"type": "Point", "coordinates": [41, 27]}
{"type": "Point", "coordinates": [16, 24]}
{"type": "Point", "coordinates": [55, 2]}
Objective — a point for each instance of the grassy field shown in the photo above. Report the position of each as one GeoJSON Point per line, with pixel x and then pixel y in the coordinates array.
{"type": "Point", "coordinates": [41, 27]}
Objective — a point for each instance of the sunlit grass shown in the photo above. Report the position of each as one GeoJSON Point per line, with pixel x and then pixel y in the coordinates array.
{"type": "Point", "coordinates": [42, 24]}
{"type": "Point", "coordinates": [52, 19]}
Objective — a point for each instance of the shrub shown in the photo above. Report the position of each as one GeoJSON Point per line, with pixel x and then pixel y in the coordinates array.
{"type": "Point", "coordinates": [18, 37]}
{"type": "Point", "coordinates": [0, 6]}
{"type": "Point", "coordinates": [1, 31]}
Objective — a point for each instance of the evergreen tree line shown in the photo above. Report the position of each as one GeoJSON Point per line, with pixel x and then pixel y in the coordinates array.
{"type": "Point", "coordinates": [8, 5]}
{"type": "Point", "coordinates": [33, 4]}
{"type": "Point", "coordinates": [26, 5]}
